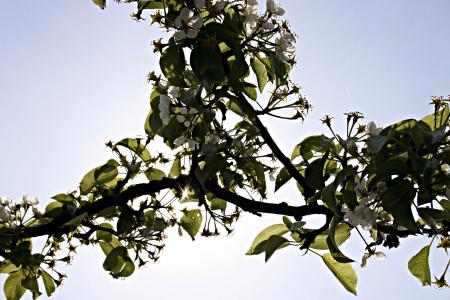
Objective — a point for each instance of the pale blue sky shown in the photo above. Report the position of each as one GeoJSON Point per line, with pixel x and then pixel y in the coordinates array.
{"type": "Point", "coordinates": [73, 77]}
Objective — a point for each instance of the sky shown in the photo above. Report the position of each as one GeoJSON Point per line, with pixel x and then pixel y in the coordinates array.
{"type": "Point", "coordinates": [73, 77]}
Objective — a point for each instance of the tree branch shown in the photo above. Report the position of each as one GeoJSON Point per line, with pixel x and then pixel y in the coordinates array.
{"type": "Point", "coordinates": [308, 191]}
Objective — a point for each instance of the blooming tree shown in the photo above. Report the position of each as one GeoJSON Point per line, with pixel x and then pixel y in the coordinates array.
{"type": "Point", "coordinates": [207, 106]}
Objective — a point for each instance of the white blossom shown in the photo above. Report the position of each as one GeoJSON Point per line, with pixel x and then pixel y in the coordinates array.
{"type": "Point", "coordinates": [179, 140]}
{"type": "Point", "coordinates": [366, 256]}
{"type": "Point", "coordinates": [181, 119]}
{"type": "Point", "coordinates": [193, 144]}
{"type": "Point", "coordinates": [4, 214]}
{"type": "Point", "coordinates": [372, 129]}
{"type": "Point", "coordinates": [351, 146]}
{"type": "Point", "coordinates": [5, 201]}
{"type": "Point", "coordinates": [26, 199]}
{"type": "Point", "coordinates": [193, 111]}
{"type": "Point", "coordinates": [251, 15]}
{"type": "Point", "coordinates": [285, 48]}
{"type": "Point", "coordinates": [362, 215]}
{"type": "Point", "coordinates": [187, 123]}
{"type": "Point", "coordinates": [164, 109]}
{"type": "Point", "coordinates": [183, 111]}
{"type": "Point", "coordinates": [267, 25]}
{"type": "Point", "coordinates": [274, 7]}
{"type": "Point", "coordinates": [188, 24]}
{"type": "Point", "coordinates": [174, 91]}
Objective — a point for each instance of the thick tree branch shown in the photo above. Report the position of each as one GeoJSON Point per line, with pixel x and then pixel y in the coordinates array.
{"type": "Point", "coordinates": [105, 202]}
{"type": "Point", "coordinates": [264, 207]}
{"type": "Point", "coordinates": [155, 186]}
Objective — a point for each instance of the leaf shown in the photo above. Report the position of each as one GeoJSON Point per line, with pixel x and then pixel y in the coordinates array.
{"type": "Point", "coordinates": [126, 222]}
{"type": "Point", "coordinates": [49, 283]}
{"type": "Point", "coordinates": [419, 267]}
{"type": "Point", "coordinates": [117, 261]}
{"type": "Point", "coordinates": [154, 174]}
{"type": "Point", "coordinates": [191, 222]}
{"type": "Point", "coordinates": [98, 176]}
{"type": "Point", "coordinates": [218, 204]}
{"type": "Point", "coordinates": [282, 177]}
{"type": "Point", "coordinates": [137, 147]}
{"type": "Point", "coordinates": [318, 143]}
{"type": "Point", "coordinates": [341, 234]}
{"type": "Point", "coordinates": [173, 65]}
{"type": "Point", "coordinates": [150, 4]}
{"type": "Point", "coordinates": [344, 272]}
{"type": "Point", "coordinates": [314, 173]}
{"type": "Point", "coordinates": [175, 170]}
{"type": "Point", "coordinates": [100, 3]}
{"type": "Point", "coordinates": [440, 119]}
{"type": "Point", "coordinates": [13, 288]}
{"type": "Point", "coordinates": [206, 62]}
{"type": "Point", "coordinates": [263, 236]}
{"type": "Point", "coordinates": [274, 243]}
{"type": "Point", "coordinates": [212, 165]}
{"type": "Point", "coordinates": [333, 245]}
{"type": "Point", "coordinates": [63, 198]}
{"type": "Point", "coordinates": [261, 73]}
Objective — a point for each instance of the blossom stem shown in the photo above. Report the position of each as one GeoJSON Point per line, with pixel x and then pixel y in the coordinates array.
{"type": "Point", "coordinates": [362, 237]}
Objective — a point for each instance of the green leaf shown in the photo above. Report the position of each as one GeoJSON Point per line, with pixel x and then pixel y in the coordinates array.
{"type": "Point", "coordinates": [117, 262]}
{"type": "Point", "coordinates": [137, 147]}
{"type": "Point", "coordinates": [173, 65]}
{"type": "Point", "coordinates": [260, 240]}
{"type": "Point", "coordinates": [13, 288]}
{"type": "Point", "coordinates": [99, 176]}
{"type": "Point", "coordinates": [282, 177]}
{"type": "Point", "coordinates": [175, 170]}
{"type": "Point", "coordinates": [218, 204]}
{"type": "Point", "coordinates": [419, 267]}
{"type": "Point", "coordinates": [100, 3]}
{"type": "Point", "coordinates": [154, 174]}
{"type": "Point", "coordinates": [274, 243]}
{"type": "Point", "coordinates": [206, 62]}
{"type": "Point", "coordinates": [314, 173]}
{"type": "Point", "coordinates": [49, 283]}
{"type": "Point", "coordinates": [126, 222]}
{"type": "Point", "coordinates": [191, 222]}
{"type": "Point", "coordinates": [341, 234]}
{"type": "Point", "coordinates": [261, 73]}
{"type": "Point", "coordinates": [328, 195]}
{"type": "Point", "coordinates": [344, 272]}
{"type": "Point", "coordinates": [149, 4]}
{"type": "Point", "coordinates": [318, 143]}
{"type": "Point", "coordinates": [63, 198]}
{"type": "Point", "coordinates": [212, 165]}
{"type": "Point", "coordinates": [333, 245]}
{"type": "Point", "coordinates": [7, 267]}
{"type": "Point", "coordinates": [439, 119]}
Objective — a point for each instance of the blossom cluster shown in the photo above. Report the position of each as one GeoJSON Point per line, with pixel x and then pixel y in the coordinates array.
{"type": "Point", "coordinates": [9, 209]}
{"type": "Point", "coordinates": [364, 213]}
